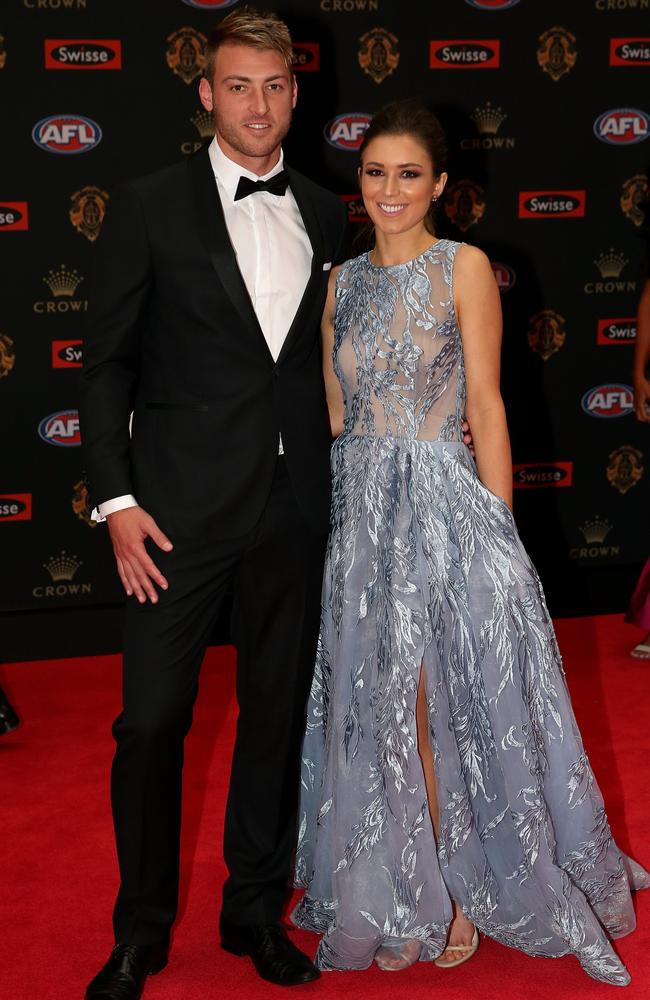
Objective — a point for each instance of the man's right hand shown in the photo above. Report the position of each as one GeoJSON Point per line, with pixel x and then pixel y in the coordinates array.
{"type": "Point", "coordinates": [128, 529]}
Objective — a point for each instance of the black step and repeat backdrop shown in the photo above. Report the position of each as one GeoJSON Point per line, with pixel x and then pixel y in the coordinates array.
{"type": "Point", "coordinates": [547, 105]}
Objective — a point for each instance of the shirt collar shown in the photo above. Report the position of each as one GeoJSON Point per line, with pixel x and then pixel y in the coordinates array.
{"type": "Point", "coordinates": [227, 172]}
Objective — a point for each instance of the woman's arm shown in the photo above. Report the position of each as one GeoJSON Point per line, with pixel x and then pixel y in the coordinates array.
{"type": "Point", "coordinates": [333, 390]}
{"type": "Point", "coordinates": [642, 357]}
{"type": "Point", "coordinates": [478, 308]}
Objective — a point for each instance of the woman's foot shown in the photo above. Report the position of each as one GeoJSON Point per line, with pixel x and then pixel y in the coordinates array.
{"type": "Point", "coordinates": [642, 649]}
{"type": "Point", "coordinates": [462, 941]}
{"type": "Point", "coordinates": [393, 959]}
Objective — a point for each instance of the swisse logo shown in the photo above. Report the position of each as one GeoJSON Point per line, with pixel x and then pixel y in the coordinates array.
{"type": "Point", "coordinates": [492, 4]}
{"type": "Point", "coordinates": [67, 134]}
{"type": "Point", "coordinates": [15, 506]}
{"type": "Point", "coordinates": [83, 53]}
{"type": "Point", "coordinates": [629, 51]}
{"type": "Point", "coordinates": [609, 400]}
{"type": "Point", "coordinates": [552, 204]}
{"type": "Point", "coordinates": [622, 126]}
{"type": "Point", "coordinates": [464, 53]}
{"type": "Point", "coordinates": [67, 354]}
{"type": "Point", "coordinates": [211, 4]}
{"type": "Point", "coordinates": [355, 206]}
{"type": "Point", "coordinates": [61, 429]}
{"type": "Point", "coordinates": [306, 56]}
{"type": "Point", "coordinates": [536, 475]}
{"type": "Point", "coordinates": [504, 276]}
{"type": "Point", "coordinates": [13, 216]}
{"type": "Point", "coordinates": [346, 131]}
{"type": "Point", "coordinates": [616, 331]}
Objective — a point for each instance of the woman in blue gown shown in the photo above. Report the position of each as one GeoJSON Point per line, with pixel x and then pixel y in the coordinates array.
{"type": "Point", "coordinates": [445, 787]}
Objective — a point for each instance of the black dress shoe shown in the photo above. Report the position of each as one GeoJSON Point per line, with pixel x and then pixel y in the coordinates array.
{"type": "Point", "coordinates": [8, 718]}
{"type": "Point", "coordinates": [124, 975]}
{"type": "Point", "coordinates": [274, 956]}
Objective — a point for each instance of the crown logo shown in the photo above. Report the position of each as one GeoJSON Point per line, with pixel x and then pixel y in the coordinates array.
{"type": "Point", "coordinates": [63, 566]}
{"type": "Point", "coordinates": [203, 122]}
{"type": "Point", "coordinates": [488, 119]}
{"type": "Point", "coordinates": [63, 282]}
{"type": "Point", "coordinates": [596, 530]}
{"type": "Point", "coordinates": [611, 264]}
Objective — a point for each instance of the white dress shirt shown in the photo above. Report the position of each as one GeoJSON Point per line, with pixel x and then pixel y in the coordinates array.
{"type": "Point", "coordinates": [273, 253]}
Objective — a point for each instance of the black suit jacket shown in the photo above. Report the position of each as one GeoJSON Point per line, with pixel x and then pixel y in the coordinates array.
{"type": "Point", "coordinates": [172, 336]}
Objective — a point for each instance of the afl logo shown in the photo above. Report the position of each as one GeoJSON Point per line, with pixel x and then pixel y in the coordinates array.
{"type": "Point", "coordinates": [622, 126]}
{"type": "Point", "coordinates": [61, 429]}
{"type": "Point", "coordinates": [504, 276]}
{"type": "Point", "coordinates": [211, 4]}
{"type": "Point", "coordinates": [66, 134]}
{"type": "Point", "coordinates": [492, 4]}
{"type": "Point", "coordinates": [609, 400]}
{"type": "Point", "coordinates": [346, 131]}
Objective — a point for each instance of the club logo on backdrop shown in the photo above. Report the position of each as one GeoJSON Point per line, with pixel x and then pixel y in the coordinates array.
{"type": "Point", "coordinates": [488, 120]}
{"type": "Point", "coordinates": [67, 134]}
{"type": "Point", "coordinates": [88, 211]}
{"type": "Point", "coordinates": [63, 284]}
{"type": "Point", "coordinates": [80, 505]}
{"type": "Point", "coordinates": [546, 333]}
{"type": "Point", "coordinates": [61, 429]}
{"type": "Point", "coordinates": [624, 468]}
{"type": "Point", "coordinates": [211, 4]}
{"type": "Point", "coordinates": [504, 275]}
{"type": "Point", "coordinates": [465, 53]}
{"type": "Point", "coordinates": [609, 400]}
{"type": "Point", "coordinates": [547, 204]}
{"type": "Point", "coordinates": [629, 51]}
{"type": "Point", "coordinates": [536, 475]}
{"type": "Point", "coordinates": [7, 355]}
{"type": "Point", "coordinates": [186, 53]}
{"type": "Point", "coordinates": [14, 216]}
{"type": "Point", "coordinates": [556, 52]}
{"type": "Point", "coordinates": [3, 52]}
{"type": "Point", "coordinates": [616, 331]}
{"type": "Point", "coordinates": [595, 531]}
{"type": "Point", "coordinates": [306, 57]}
{"type": "Point", "coordinates": [465, 204]}
{"type": "Point", "coordinates": [378, 55]}
{"type": "Point", "coordinates": [346, 131]}
{"type": "Point", "coordinates": [62, 570]}
{"type": "Point", "coordinates": [635, 197]}
{"type": "Point", "coordinates": [492, 4]}
{"type": "Point", "coordinates": [67, 354]}
{"type": "Point", "coordinates": [622, 126]}
{"type": "Point", "coordinates": [355, 206]}
{"type": "Point", "coordinates": [15, 507]}
{"type": "Point", "coordinates": [83, 53]}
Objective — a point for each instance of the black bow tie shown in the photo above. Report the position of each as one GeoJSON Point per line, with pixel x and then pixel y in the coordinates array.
{"type": "Point", "coordinates": [275, 185]}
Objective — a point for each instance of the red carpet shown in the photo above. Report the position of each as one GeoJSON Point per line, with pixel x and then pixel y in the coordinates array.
{"type": "Point", "coordinates": [58, 865]}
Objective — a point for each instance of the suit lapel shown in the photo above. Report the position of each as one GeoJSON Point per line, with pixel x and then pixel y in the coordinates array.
{"type": "Point", "coordinates": [214, 233]}
{"type": "Point", "coordinates": [315, 234]}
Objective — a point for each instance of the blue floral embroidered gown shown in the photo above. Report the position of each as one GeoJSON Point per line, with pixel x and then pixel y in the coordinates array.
{"type": "Point", "coordinates": [425, 571]}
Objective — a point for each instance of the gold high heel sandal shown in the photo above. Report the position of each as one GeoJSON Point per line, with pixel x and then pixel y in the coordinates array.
{"type": "Point", "coordinates": [469, 948]}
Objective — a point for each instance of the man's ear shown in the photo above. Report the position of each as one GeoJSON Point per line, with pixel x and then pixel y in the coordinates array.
{"type": "Point", "coordinates": [294, 92]}
{"type": "Point", "coordinates": [205, 94]}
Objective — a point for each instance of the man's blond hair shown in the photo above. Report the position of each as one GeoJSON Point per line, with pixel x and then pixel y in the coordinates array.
{"type": "Point", "coordinates": [249, 26]}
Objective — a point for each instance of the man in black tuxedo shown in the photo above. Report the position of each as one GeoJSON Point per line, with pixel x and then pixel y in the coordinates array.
{"type": "Point", "coordinates": [203, 322]}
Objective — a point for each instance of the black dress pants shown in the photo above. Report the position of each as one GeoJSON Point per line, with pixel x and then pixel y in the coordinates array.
{"type": "Point", "coordinates": [275, 574]}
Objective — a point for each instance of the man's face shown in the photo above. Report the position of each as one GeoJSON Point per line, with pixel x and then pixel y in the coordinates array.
{"type": "Point", "coordinates": [252, 97]}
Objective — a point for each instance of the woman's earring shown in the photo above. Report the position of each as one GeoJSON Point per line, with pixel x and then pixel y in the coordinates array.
{"type": "Point", "coordinates": [434, 199]}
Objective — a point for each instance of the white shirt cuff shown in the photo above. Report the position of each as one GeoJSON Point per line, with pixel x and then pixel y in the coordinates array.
{"type": "Point", "coordinates": [102, 510]}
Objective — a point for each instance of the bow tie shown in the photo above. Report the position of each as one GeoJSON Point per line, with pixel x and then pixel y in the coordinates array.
{"type": "Point", "coordinates": [275, 185]}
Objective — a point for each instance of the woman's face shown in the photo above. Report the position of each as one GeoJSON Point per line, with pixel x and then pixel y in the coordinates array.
{"type": "Point", "coordinates": [398, 182]}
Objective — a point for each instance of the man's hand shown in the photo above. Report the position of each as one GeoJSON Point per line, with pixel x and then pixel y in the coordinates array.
{"type": "Point", "coordinates": [467, 438]}
{"type": "Point", "coordinates": [128, 529]}
{"type": "Point", "coordinates": [642, 399]}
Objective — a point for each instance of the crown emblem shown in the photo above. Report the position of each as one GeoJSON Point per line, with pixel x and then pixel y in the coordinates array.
{"type": "Point", "coordinates": [203, 122]}
{"type": "Point", "coordinates": [611, 264]}
{"type": "Point", "coordinates": [63, 282]}
{"type": "Point", "coordinates": [63, 566]}
{"type": "Point", "coordinates": [595, 531]}
{"type": "Point", "coordinates": [488, 119]}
